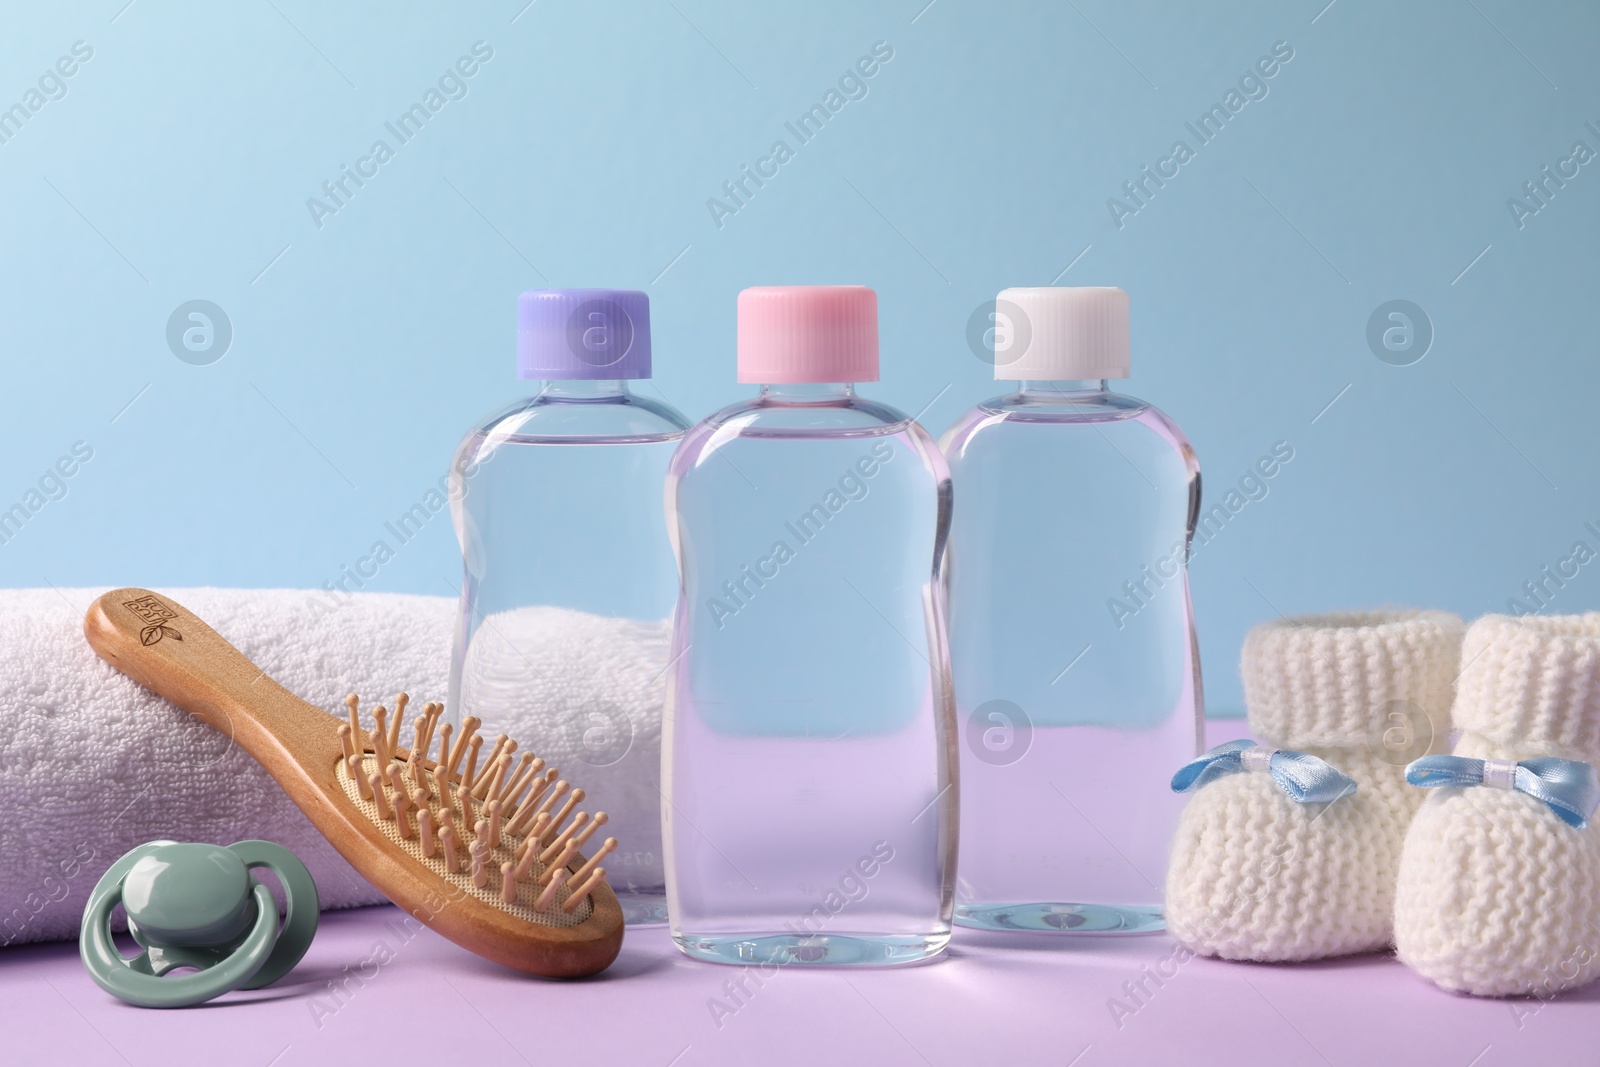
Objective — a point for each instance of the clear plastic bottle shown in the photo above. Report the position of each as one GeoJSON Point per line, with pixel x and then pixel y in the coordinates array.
{"type": "Point", "coordinates": [1077, 675]}
{"type": "Point", "coordinates": [569, 584]}
{"type": "Point", "coordinates": [809, 779]}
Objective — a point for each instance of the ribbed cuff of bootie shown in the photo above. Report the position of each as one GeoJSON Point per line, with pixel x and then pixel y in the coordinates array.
{"type": "Point", "coordinates": [1531, 685]}
{"type": "Point", "coordinates": [1333, 681]}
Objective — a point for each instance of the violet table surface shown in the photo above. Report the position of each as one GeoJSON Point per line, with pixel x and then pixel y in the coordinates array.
{"type": "Point", "coordinates": [992, 1000]}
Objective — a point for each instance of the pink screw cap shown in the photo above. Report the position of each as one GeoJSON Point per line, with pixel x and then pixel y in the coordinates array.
{"type": "Point", "coordinates": [808, 333]}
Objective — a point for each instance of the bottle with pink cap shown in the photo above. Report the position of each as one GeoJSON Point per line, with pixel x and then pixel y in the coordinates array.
{"type": "Point", "coordinates": [810, 798]}
{"type": "Point", "coordinates": [1077, 676]}
{"type": "Point", "coordinates": [568, 583]}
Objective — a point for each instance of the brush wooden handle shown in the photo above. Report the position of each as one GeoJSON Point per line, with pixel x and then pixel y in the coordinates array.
{"type": "Point", "coordinates": [162, 646]}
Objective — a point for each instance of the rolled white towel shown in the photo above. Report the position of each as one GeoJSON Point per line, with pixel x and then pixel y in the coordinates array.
{"type": "Point", "coordinates": [92, 764]}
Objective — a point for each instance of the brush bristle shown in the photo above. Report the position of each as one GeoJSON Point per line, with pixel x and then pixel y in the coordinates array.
{"type": "Point", "coordinates": [509, 833]}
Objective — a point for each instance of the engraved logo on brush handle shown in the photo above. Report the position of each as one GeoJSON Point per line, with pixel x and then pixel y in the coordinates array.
{"type": "Point", "coordinates": [155, 615]}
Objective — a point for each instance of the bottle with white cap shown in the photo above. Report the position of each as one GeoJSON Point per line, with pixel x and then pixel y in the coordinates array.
{"type": "Point", "coordinates": [1077, 676]}
{"type": "Point", "coordinates": [810, 801]}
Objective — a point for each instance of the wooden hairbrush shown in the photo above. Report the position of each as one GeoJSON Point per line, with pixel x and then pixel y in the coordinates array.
{"type": "Point", "coordinates": [481, 847]}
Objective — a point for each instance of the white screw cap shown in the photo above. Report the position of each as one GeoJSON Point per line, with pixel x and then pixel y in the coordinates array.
{"type": "Point", "coordinates": [1055, 333]}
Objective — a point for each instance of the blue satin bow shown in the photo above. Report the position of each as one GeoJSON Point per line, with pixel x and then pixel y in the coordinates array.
{"type": "Point", "coordinates": [1571, 788]}
{"type": "Point", "coordinates": [1304, 778]}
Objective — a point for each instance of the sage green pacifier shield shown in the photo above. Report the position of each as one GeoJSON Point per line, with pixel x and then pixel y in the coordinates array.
{"type": "Point", "coordinates": [198, 906]}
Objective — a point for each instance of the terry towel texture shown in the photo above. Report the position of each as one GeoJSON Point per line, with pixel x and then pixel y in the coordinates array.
{"type": "Point", "coordinates": [92, 764]}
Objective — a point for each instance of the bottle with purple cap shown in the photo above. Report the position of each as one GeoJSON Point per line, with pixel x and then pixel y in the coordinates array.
{"type": "Point", "coordinates": [569, 582]}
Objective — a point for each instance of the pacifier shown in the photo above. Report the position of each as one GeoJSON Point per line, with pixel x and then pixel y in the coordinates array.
{"type": "Point", "coordinates": [198, 906]}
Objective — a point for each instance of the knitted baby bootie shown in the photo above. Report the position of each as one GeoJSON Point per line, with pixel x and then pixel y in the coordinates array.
{"type": "Point", "coordinates": [1499, 894]}
{"type": "Point", "coordinates": [1256, 874]}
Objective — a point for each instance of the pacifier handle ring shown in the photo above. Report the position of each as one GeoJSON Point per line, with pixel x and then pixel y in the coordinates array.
{"type": "Point", "coordinates": [113, 973]}
{"type": "Point", "coordinates": [303, 907]}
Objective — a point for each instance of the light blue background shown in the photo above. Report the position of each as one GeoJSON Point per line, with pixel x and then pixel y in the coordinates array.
{"type": "Point", "coordinates": [179, 163]}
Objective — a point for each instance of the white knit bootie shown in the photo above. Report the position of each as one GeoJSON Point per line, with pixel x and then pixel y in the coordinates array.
{"type": "Point", "coordinates": [1498, 895]}
{"type": "Point", "coordinates": [1255, 875]}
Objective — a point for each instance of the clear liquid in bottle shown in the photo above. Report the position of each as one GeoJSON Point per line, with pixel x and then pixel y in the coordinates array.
{"type": "Point", "coordinates": [1076, 671]}
{"type": "Point", "coordinates": [568, 583]}
{"type": "Point", "coordinates": [811, 798]}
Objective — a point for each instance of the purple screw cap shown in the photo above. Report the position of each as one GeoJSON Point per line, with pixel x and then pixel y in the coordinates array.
{"type": "Point", "coordinates": [583, 334]}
